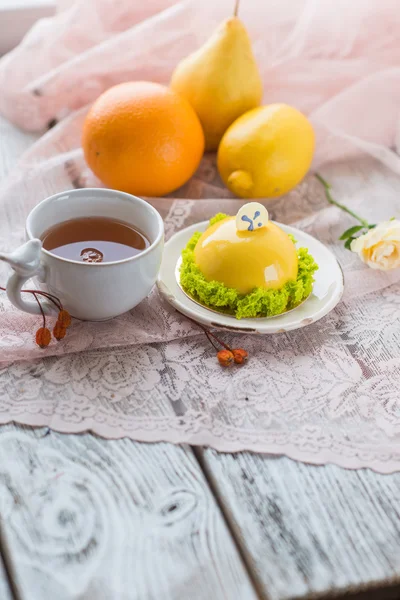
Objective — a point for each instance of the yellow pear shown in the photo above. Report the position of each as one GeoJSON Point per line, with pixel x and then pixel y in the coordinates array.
{"type": "Point", "coordinates": [221, 79]}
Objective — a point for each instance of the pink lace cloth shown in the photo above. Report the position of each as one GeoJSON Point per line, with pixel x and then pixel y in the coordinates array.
{"type": "Point", "coordinates": [326, 393]}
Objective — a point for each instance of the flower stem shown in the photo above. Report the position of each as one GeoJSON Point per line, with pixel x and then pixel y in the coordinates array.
{"type": "Point", "coordinates": [331, 200]}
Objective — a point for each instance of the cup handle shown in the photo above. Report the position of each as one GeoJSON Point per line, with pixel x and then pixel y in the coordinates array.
{"type": "Point", "coordinates": [25, 261]}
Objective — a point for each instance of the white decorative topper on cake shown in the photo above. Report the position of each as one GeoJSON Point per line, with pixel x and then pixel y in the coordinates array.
{"type": "Point", "coordinates": [251, 216]}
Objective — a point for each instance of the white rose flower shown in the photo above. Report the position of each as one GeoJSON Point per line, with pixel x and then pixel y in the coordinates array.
{"type": "Point", "coordinates": [379, 248]}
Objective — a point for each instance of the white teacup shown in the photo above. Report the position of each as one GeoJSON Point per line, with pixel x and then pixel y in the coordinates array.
{"type": "Point", "coordinates": [94, 291]}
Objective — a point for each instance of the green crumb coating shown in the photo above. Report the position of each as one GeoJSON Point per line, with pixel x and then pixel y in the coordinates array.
{"type": "Point", "coordinates": [217, 217]}
{"type": "Point", "coordinates": [258, 303]}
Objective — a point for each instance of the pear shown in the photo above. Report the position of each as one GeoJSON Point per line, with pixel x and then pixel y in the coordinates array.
{"type": "Point", "coordinates": [220, 80]}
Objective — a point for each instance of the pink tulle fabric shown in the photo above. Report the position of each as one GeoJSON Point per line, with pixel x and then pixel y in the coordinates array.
{"type": "Point", "coordinates": [327, 393]}
{"type": "Point", "coordinates": [338, 61]}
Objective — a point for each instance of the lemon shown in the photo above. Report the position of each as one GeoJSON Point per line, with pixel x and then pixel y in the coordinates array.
{"type": "Point", "coordinates": [266, 152]}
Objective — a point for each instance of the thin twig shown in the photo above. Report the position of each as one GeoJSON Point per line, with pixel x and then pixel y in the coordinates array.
{"type": "Point", "coordinates": [56, 301]}
{"type": "Point", "coordinates": [236, 9]}
{"type": "Point", "coordinates": [211, 340]}
{"type": "Point", "coordinates": [58, 306]}
{"type": "Point", "coordinates": [208, 332]}
{"type": "Point", "coordinates": [220, 341]}
{"type": "Point", "coordinates": [41, 308]}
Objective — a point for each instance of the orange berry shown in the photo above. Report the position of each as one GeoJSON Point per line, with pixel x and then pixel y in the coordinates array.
{"type": "Point", "coordinates": [240, 356]}
{"type": "Point", "coordinates": [43, 337]}
{"type": "Point", "coordinates": [64, 318]}
{"type": "Point", "coordinates": [59, 331]}
{"type": "Point", "coordinates": [225, 358]}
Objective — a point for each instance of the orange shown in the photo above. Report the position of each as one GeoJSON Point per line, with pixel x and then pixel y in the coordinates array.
{"type": "Point", "coordinates": [142, 138]}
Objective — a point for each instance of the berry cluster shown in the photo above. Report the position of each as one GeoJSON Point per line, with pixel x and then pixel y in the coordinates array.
{"type": "Point", "coordinates": [43, 334]}
{"type": "Point", "coordinates": [227, 356]}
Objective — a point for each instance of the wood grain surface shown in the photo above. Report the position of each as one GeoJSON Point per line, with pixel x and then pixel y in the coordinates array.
{"type": "Point", "coordinates": [117, 520]}
{"type": "Point", "coordinates": [89, 519]}
{"type": "Point", "coordinates": [309, 531]}
{"type": "Point", "coordinates": [5, 592]}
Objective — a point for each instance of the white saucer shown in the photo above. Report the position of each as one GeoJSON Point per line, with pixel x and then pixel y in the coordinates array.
{"type": "Point", "coordinates": [327, 290]}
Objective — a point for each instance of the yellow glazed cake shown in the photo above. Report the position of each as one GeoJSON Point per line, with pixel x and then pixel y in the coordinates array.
{"type": "Point", "coordinates": [246, 265]}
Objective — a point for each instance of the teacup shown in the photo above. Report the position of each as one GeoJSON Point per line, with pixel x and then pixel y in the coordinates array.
{"type": "Point", "coordinates": [96, 291]}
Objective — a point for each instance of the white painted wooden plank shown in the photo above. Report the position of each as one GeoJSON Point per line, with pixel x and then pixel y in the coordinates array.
{"type": "Point", "coordinates": [314, 531]}
{"type": "Point", "coordinates": [306, 530]}
{"type": "Point", "coordinates": [5, 593]}
{"type": "Point", "coordinates": [85, 518]}
{"type": "Point", "coordinates": [90, 519]}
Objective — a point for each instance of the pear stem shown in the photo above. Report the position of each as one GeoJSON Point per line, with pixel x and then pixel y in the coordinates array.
{"type": "Point", "coordinates": [236, 9]}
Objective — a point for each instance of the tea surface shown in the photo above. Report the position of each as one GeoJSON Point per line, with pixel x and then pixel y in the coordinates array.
{"type": "Point", "coordinates": [94, 240]}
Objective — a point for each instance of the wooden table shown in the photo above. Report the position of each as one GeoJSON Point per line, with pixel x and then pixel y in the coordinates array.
{"type": "Point", "coordinates": [89, 519]}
